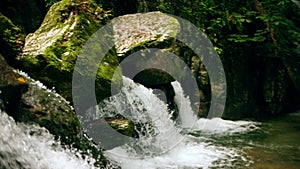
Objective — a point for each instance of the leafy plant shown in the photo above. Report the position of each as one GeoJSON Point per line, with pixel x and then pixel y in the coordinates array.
{"type": "Point", "coordinates": [50, 2]}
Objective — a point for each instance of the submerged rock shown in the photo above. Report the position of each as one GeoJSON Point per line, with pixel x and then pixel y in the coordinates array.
{"type": "Point", "coordinates": [123, 126]}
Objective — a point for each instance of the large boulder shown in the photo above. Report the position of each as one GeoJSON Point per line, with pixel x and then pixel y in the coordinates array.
{"type": "Point", "coordinates": [142, 31]}
{"type": "Point", "coordinates": [50, 53]}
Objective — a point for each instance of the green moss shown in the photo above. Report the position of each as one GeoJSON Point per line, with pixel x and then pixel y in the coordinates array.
{"type": "Point", "coordinates": [123, 126]}
{"type": "Point", "coordinates": [71, 23]}
{"type": "Point", "coordinates": [12, 38]}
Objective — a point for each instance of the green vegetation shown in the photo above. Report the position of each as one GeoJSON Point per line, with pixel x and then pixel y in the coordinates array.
{"type": "Point", "coordinates": [12, 39]}
{"type": "Point", "coordinates": [26, 14]}
{"type": "Point", "coordinates": [49, 3]}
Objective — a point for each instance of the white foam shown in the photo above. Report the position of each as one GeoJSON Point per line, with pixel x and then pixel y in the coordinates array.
{"type": "Point", "coordinates": [189, 152]}
{"type": "Point", "coordinates": [220, 126]}
{"type": "Point", "coordinates": [39, 85]}
{"type": "Point", "coordinates": [140, 105]}
{"type": "Point", "coordinates": [30, 146]}
{"type": "Point", "coordinates": [186, 155]}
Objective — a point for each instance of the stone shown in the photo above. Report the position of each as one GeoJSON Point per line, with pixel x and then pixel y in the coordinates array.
{"type": "Point", "coordinates": [141, 31]}
{"type": "Point", "coordinates": [12, 86]}
{"type": "Point", "coordinates": [50, 53]}
{"type": "Point", "coordinates": [12, 39]}
{"type": "Point", "coordinates": [123, 126]}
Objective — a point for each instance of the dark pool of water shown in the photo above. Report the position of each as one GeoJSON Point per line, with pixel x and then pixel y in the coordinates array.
{"type": "Point", "coordinates": [275, 145]}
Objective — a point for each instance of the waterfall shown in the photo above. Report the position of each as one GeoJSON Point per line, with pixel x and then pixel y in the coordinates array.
{"type": "Point", "coordinates": [186, 114]}
{"type": "Point", "coordinates": [167, 146]}
{"type": "Point", "coordinates": [137, 103]}
{"type": "Point", "coordinates": [161, 143]}
{"type": "Point", "coordinates": [26, 146]}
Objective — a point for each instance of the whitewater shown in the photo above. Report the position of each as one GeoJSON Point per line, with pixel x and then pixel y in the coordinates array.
{"type": "Point", "coordinates": [164, 144]}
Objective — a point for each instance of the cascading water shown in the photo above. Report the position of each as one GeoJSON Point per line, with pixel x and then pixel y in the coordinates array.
{"type": "Point", "coordinates": [162, 144]}
{"type": "Point", "coordinates": [157, 133]}
{"type": "Point", "coordinates": [26, 146]}
{"type": "Point", "coordinates": [186, 114]}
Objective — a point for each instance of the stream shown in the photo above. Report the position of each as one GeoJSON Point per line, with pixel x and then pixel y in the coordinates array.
{"type": "Point", "coordinates": [186, 143]}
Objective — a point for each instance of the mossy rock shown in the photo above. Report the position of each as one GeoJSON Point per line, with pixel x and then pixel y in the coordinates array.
{"type": "Point", "coordinates": [48, 109]}
{"type": "Point", "coordinates": [50, 53]}
{"type": "Point", "coordinates": [123, 126]}
{"type": "Point", "coordinates": [11, 39]}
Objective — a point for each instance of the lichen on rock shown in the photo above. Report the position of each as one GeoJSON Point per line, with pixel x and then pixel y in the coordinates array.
{"type": "Point", "coordinates": [135, 30]}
